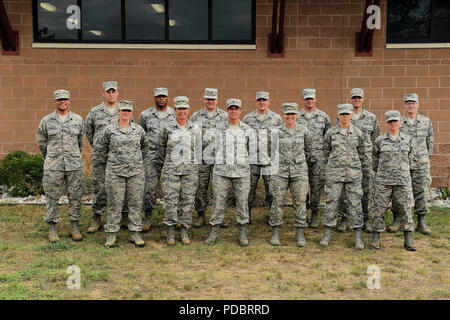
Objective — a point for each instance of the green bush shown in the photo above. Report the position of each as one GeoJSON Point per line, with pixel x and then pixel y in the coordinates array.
{"type": "Point", "coordinates": [22, 172]}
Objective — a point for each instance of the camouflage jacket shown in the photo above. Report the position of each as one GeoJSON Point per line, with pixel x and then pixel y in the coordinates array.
{"type": "Point", "coordinates": [348, 154]}
{"type": "Point", "coordinates": [201, 118]}
{"type": "Point", "coordinates": [178, 149]}
{"type": "Point", "coordinates": [391, 159]}
{"type": "Point", "coordinates": [61, 143]}
{"type": "Point", "coordinates": [422, 137]}
{"type": "Point", "coordinates": [123, 150]}
{"type": "Point", "coordinates": [318, 125]}
{"type": "Point", "coordinates": [97, 120]}
{"type": "Point", "coordinates": [367, 123]}
{"type": "Point", "coordinates": [153, 126]}
{"type": "Point", "coordinates": [294, 149]}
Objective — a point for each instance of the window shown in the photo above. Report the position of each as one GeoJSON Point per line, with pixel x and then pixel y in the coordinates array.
{"type": "Point", "coordinates": [418, 21]}
{"type": "Point", "coordinates": [145, 21]}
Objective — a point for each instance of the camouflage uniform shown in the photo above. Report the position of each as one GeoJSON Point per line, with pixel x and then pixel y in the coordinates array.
{"type": "Point", "coordinates": [61, 145]}
{"type": "Point", "coordinates": [294, 151]}
{"type": "Point", "coordinates": [123, 151]}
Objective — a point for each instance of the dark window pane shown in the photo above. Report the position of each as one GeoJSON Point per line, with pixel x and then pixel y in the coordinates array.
{"type": "Point", "coordinates": [409, 20]}
{"type": "Point", "coordinates": [52, 20]}
{"type": "Point", "coordinates": [101, 20]}
{"type": "Point", "coordinates": [231, 19]}
{"type": "Point", "coordinates": [188, 20]}
{"type": "Point", "coordinates": [144, 19]}
{"type": "Point", "coordinates": [441, 21]}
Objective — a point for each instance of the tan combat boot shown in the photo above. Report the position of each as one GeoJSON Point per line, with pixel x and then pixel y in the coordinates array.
{"type": "Point", "coordinates": [137, 240]}
{"type": "Point", "coordinates": [75, 233]}
{"type": "Point", "coordinates": [52, 233]}
{"type": "Point", "coordinates": [96, 223]}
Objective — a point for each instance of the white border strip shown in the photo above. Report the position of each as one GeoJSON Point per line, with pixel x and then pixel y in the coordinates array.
{"type": "Point", "coordinates": [417, 45]}
{"type": "Point", "coordinates": [144, 46]}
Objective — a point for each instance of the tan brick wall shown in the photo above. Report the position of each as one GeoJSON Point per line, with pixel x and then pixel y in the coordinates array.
{"type": "Point", "coordinates": [319, 53]}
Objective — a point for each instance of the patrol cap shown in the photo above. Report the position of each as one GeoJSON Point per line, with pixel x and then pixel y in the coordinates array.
{"type": "Point", "coordinates": [345, 108]}
{"type": "Point", "coordinates": [181, 102]}
{"type": "Point", "coordinates": [109, 85]}
{"type": "Point", "coordinates": [392, 115]}
{"type": "Point", "coordinates": [309, 93]}
{"type": "Point", "coordinates": [125, 105]}
{"type": "Point", "coordinates": [161, 92]}
{"type": "Point", "coordinates": [290, 107]}
{"type": "Point", "coordinates": [234, 102]}
{"type": "Point", "coordinates": [411, 97]}
{"type": "Point", "coordinates": [262, 95]}
{"type": "Point", "coordinates": [357, 92]}
{"type": "Point", "coordinates": [61, 94]}
{"type": "Point", "coordinates": [211, 93]}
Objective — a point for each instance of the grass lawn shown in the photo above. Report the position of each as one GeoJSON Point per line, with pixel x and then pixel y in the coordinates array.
{"type": "Point", "coordinates": [32, 268]}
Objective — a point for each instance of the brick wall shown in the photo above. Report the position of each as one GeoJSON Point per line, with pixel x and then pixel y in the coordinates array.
{"type": "Point", "coordinates": [319, 53]}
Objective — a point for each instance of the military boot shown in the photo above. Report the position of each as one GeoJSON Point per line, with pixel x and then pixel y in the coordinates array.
{"type": "Point", "coordinates": [395, 226]}
{"type": "Point", "coordinates": [96, 224]}
{"type": "Point", "coordinates": [422, 226]}
{"type": "Point", "coordinates": [201, 221]}
{"type": "Point", "coordinates": [275, 240]}
{"type": "Point", "coordinates": [375, 243]}
{"type": "Point", "coordinates": [301, 241]}
{"type": "Point", "coordinates": [184, 236]}
{"type": "Point", "coordinates": [242, 235]}
{"type": "Point", "coordinates": [110, 239]}
{"type": "Point", "coordinates": [314, 223]}
{"type": "Point", "coordinates": [75, 233]}
{"type": "Point", "coordinates": [136, 239]}
{"type": "Point", "coordinates": [409, 243]}
{"type": "Point", "coordinates": [359, 244]}
{"type": "Point", "coordinates": [343, 225]}
{"type": "Point", "coordinates": [52, 232]}
{"type": "Point", "coordinates": [367, 226]}
{"type": "Point", "coordinates": [171, 235]}
{"type": "Point", "coordinates": [213, 236]}
{"type": "Point", "coordinates": [326, 236]}
{"type": "Point", "coordinates": [147, 222]}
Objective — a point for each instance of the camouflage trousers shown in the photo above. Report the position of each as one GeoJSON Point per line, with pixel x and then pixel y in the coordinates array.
{"type": "Point", "coordinates": [299, 190]}
{"type": "Point", "coordinates": [367, 186]}
{"type": "Point", "coordinates": [353, 192]}
{"type": "Point", "coordinates": [316, 177]}
{"type": "Point", "coordinates": [241, 187]}
{"type": "Point", "coordinates": [401, 197]}
{"type": "Point", "coordinates": [255, 173]}
{"type": "Point", "coordinates": [53, 183]}
{"type": "Point", "coordinates": [99, 200]}
{"type": "Point", "coordinates": [420, 183]}
{"type": "Point", "coordinates": [179, 198]}
{"type": "Point", "coordinates": [117, 189]}
{"type": "Point", "coordinates": [204, 176]}
{"type": "Point", "coordinates": [152, 175]}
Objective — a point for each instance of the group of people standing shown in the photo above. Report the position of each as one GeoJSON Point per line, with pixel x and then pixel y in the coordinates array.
{"type": "Point", "coordinates": [360, 170]}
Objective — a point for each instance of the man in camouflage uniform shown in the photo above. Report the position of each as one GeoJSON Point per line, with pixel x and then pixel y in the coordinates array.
{"type": "Point", "coordinates": [262, 120]}
{"type": "Point", "coordinates": [232, 140]}
{"type": "Point", "coordinates": [349, 154]}
{"type": "Point", "coordinates": [318, 124]}
{"type": "Point", "coordinates": [60, 138]}
{"type": "Point", "coordinates": [206, 118]}
{"type": "Point", "coordinates": [122, 149]}
{"type": "Point", "coordinates": [391, 159]}
{"type": "Point", "coordinates": [180, 173]}
{"type": "Point", "coordinates": [294, 148]}
{"type": "Point", "coordinates": [96, 121]}
{"type": "Point", "coordinates": [420, 128]}
{"type": "Point", "coordinates": [154, 120]}
{"type": "Point", "coordinates": [367, 122]}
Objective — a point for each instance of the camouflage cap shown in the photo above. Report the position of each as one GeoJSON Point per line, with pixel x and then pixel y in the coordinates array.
{"type": "Point", "coordinates": [262, 95]}
{"type": "Point", "coordinates": [161, 92]}
{"type": "Point", "coordinates": [290, 107]}
{"type": "Point", "coordinates": [109, 85]}
{"type": "Point", "coordinates": [61, 94]}
{"type": "Point", "coordinates": [125, 105]}
{"type": "Point", "coordinates": [181, 102]}
{"type": "Point", "coordinates": [211, 93]}
{"type": "Point", "coordinates": [345, 108]}
{"type": "Point", "coordinates": [357, 92]}
{"type": "Point", "coordinates": [392, 115]}
{"type": "Point", "coordinates": [411, 97]}
{"type": "Point", "coordinates": [309, 94]}
{"type": "Point", "coordinates": [234, 102]}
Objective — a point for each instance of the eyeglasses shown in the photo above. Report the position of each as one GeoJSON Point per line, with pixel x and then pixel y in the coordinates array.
{"type": "Point", "coordinates": [410, 103]}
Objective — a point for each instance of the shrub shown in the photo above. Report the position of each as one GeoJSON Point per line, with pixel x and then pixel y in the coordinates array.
{"type": "Point", "coordinates": [22, 172]}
